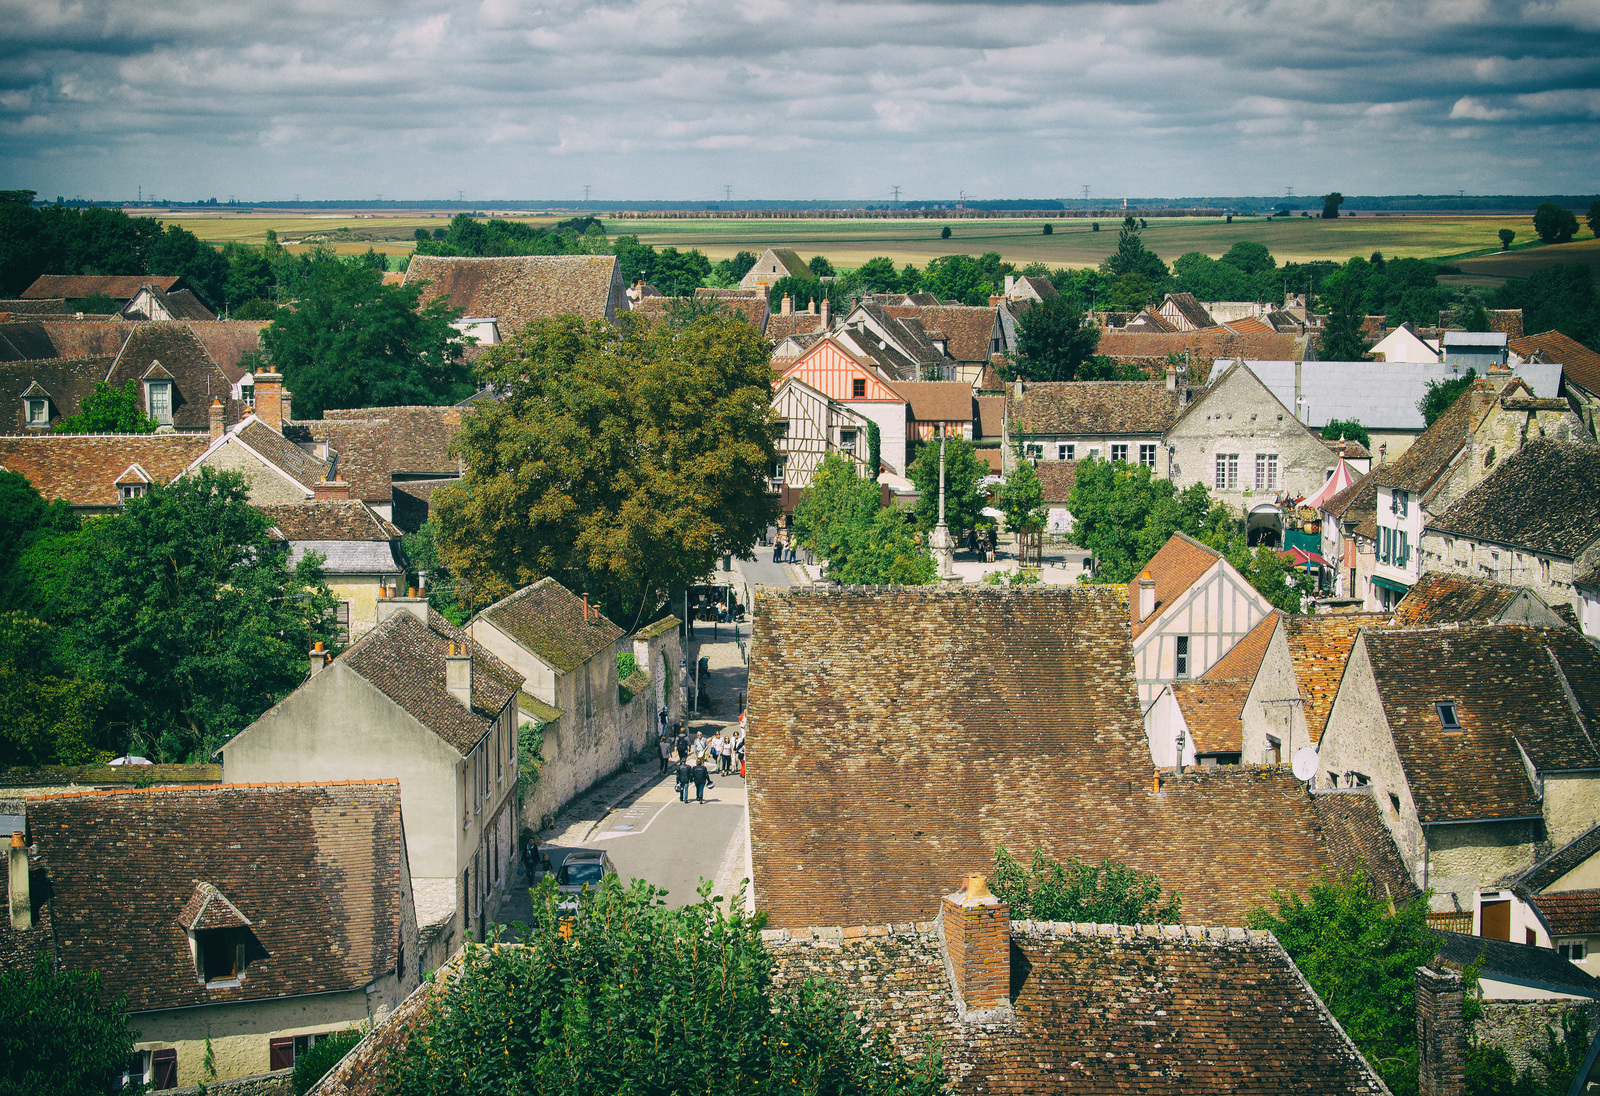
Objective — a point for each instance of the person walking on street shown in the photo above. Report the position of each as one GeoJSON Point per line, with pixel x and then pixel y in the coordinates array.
{"type": "Point", "coordinates": [725, 751]}
{"type": "Point", "coordinates": [701, 747]}
{"type": "Point", "coordinates": [682, 744]}
{"type": "Point", "coordinates": [714, 750]}
{"type": "Point", "coordinates": [685, 773]}
{"type": "Point", "coordinates": [701, 778]}
{"type": "Point", "coordinates": [738, 747]}
{"type": "Point", "coordinates": [777, 548]}
{"type": "Point", "coordinates": [665, 746]}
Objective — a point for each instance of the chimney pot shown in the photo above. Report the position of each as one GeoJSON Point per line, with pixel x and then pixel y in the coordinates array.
{"type": "Point", "coordinates": [415, 605]}
{"type": "Point", "coordinates": [21, 900]}
{"type": "Point", "coordinates": [318, 658]}
{"type": "Point", "coordinates": [458, 673]}
{"type": "Point", "coordinates": [1147, 596]}
{"type": "Point", "coordinates": [218, 415]}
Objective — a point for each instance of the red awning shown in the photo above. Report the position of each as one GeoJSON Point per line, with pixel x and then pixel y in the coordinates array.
{"type": "Point", "coordinates": [1302, 558]}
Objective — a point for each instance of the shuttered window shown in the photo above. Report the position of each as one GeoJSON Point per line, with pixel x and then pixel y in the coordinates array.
{"type": "Point", "coordinates": [164, 1069]}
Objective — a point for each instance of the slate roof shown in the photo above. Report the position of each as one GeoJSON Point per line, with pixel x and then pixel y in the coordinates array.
{"type": "Point", "coordinates": [990, 416]}
{"type": "Point", "coordinates": [1569, 913]}
{"type": "Point", "coordinates": [83, 468]}
{"type": "Point", "coordinates": [116, 286]}
{"type": "Point", "coordinates": [1214, 712]}
{"type": "Point", "coordinates": [1441, 598]}
{"type": "Point", "coordinates": [405, 662]}
{"type": "Point", "coordinates": [1099, 1010]}
{"type": "Point", "coordinates": [1175, 568]}
{"type": "Point", "coordinates": [1581, 364]}
{"type": "Point", "coordinates": [968, 330]}
{"type": "Point", "coordinates": [1056, 478]}
{"type": "Point", "coordinates": [547, 619]}
{"type": "Point", "coordinates": [66, 381]}
{"type": "Point", "coordinates": [1549, 871]}
{"type": "Point", "coordinates": [316, 869]}
{"type": "Point", "coordinates": [1379, 395]}
{"type": "Point", "coordinates": [1510, 701]}
{"type": "Point", "coordinates": [1319, 648]}
{"type": "Point", "coordinates": [419, 438]}
{"type": "Point", "coordinates": [943, 723]}
{"type": "Point", "coordinates": [197, 378]}
{"type": "Point", "coordinates": [1521, 964]}
{"type": "Point", "coordinates": [521, 289]}
{"type": "Point", "coordinates": [1352, 824]}
{"type": "Point", "coordinates": [329, 519]}
{"type": "Point", "coordinates": [1091, 407]}
{"type": "Point", "coordinates": [1545, 497]}
{"type": "Point", "coordinates": [937, 401]}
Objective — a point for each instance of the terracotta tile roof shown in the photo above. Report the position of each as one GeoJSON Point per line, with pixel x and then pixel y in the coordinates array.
{"type": "Point", "coordinates": [521, 289]}
{"type": "Point", "coordinates": [302, 467]}
{"type": "Point", "coordinates": [405, 661]}
{"type": "Point", "coordinates": [1570, 913]}
{"type": "Point", "coordinates": [86, 339]}
{"type": "Point", "coordinates": [937, 401]}
{"type": "Point", "coordinates": [1099, 1010]}
{"type": "Point", "coordinates": [419, 438]}
{"type": "Point", "coordinates": [968, 331]}
{"type": "Point", "coordinates": [1352, 824]}
{"type": "Point", "coordinates": [1243, 660]}
{"type": "Point", "coordinates": [1148, 321]}
{"type": "Point", "coordinates": [197, 378]}
{"type": "Point", "coordinates": [1092, 407]}
{"type": "Point", "coordinates": [1579, 363]}
{"type": "Point", "coordinates": [1250, 325]}
{"type": "Point", "coordinates": [1549, 871]}
{"type": "Point", "coordinates": [329, 519]}
{"type": "Point", "coordinates": [65, 381]}
{"type": "Point", "coordinates": [26, 342]}
{"type": "Point", "coordinates": [1203, 347]}
{"type": "Point", "coordinates": [228, 341]}
{"type": "Point", "coordinates": [316, 869]}
{"type": "Point", "coordinates": [1175, 568]}
{"type": "Point", "coordinates": [1016, 724]}
{"type": "Point", "coordinates": [995, 460]}
{"type": "Point", "coordinates": [990, 416]}
{"type": "Point", "coordinates": [1440, 598]}
{"type": "Point", "coordinates": [83, 468]}
{"type": "Point", "coordinates": [1056, 478]}
{"type": "Point", "coordinates": [547, 619]}
{"type": "Point", "coordinates": [1509, 700]}
{"type": "Point", "coordinates": [50, 306]}
{"type": "Point", "coordinates": [1214, 712]}
{"type": "Point", "coordinates": [120, 287]}
{"type": "Point", "coordinates": [1319, 647]}
{"type": "Point", "coordinates": [359, 450]}
{"type": "Point", "coordinates": [1546, 497]}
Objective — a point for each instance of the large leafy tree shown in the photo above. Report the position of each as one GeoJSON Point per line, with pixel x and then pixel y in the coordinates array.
{"type": "Point", "coordinates": [1330, 205]}
{"type": "Point", "coordinates": [109, 410]}
{"type": "Point", "coordinates": [886, 553]}
{"type": "Point", "coordinates": [25, 520]}
{"type": "Point", "coordinates": [1554, 224]}
{"type": "Point", "coordinates": [639, 998]}
{"type": "Point", "coordinates": [1560, 297]}
{"type": "Point", "coordinates": [1054, 340]}
{"type": "Point", "coordinates": [878, 275]}
{"type": "Point", "coordinates": [623, 459]}
{"type": "Point", "coordinates": [58, 1033]}
{"type": "Point", "coordinates": [1349, 429]}
{"type": "Point", "coordinates": [1107, 893]}
{"type": "Point", "coordinates": [47, 716]}
{"type": "Point", "coordinates": [1342, 339]}
{"type": "Point", "coordinates": [963, 502]}
{"type": "Point", "coordinates": [190, 617]}
{"type": "Point", "coordinates": [201, 266]}
{"type": "Point", "coordinates": [352, 341]}
{"type": "Point", "coordinates": [963, 278]}
{"type": "Point", "coordinates": [1592, 218]}
{"type": "Point", "coordinates": [1021, 499]}
{"type": "Point", "coordinates": [836, 509]}
{"type": "Point", "coordinates": [1360, 953]}
{"type": "Point", "coordinates": [1124, 513]}
{"type": "Point", "coordinates": [1132, 257]}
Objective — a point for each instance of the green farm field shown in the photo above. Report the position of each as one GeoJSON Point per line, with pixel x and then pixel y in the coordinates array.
{"type": "Point", "coordinates": [1073, 243]}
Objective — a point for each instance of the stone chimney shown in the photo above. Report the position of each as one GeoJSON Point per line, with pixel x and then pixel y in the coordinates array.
{"type": "Point", "coordinates": [1441, 1033]}
{"type": "Point", "coordinates": [288, 412]}
{"type": "Point", "coordinates": [1147, 596]}
{"type": "Point", "coordinates": [269, 399]}
{"type": "Point", "coordinates": [787, 307]}
{"type": "Point", "coordinates": [21, 900]}
{"type": "Point", "coordinates": [996, 299]}
{"type": "Point", "coordinates": [1011, 283]}
{"type": "Point", "coordinates": [413, 602]}
{"type": "Point", "coordinates": [1172, 378]}
{"type": "Point", "coordinates": [458, 673]}
{"type": "Point", "coordinates": [218, 414]}
{"type": "Point", "coordinates": [319, 657]}
{"type": "Point", "coordinates": [330, 491]}
{"type": "Point", "coordinates": [825, 314]}
{"type": "Point", "coordinates": [976, 927]}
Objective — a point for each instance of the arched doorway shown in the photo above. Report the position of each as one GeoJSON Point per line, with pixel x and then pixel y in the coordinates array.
{"type": "Point", "coordinates": [1263, 526]}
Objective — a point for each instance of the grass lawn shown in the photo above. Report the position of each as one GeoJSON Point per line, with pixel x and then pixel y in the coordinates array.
{"type": "Point", "coordinates": [848, 243]}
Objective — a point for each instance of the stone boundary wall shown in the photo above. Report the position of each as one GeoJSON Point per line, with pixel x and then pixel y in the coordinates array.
{"type": "Point", "coordinates": [277, 1083]}
{"type": "Point", "coordinates": [1517, 1025]}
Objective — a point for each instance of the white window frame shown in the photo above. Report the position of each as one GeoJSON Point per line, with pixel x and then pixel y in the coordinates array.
{"type": "Point", "coordinates": [1147, 454]}
{"type": "Point", "coordinates": [1119, 451]}
{"type": "Point", "coordinates": [165, 388]}
{"type": "Point", "coordinates": [1574, 949]}
{"type": "Point", "coordinates": [1064, 450]}
{"type": "Point", "coordinates": [1266, 471]}
{"type": "Point", "coordinates": [1227, 477]}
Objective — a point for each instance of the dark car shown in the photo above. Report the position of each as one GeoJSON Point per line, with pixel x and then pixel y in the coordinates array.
{"type": "Point", "coordinates": [582, 870]}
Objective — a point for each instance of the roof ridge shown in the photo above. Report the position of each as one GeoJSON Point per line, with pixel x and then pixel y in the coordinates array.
{"type": "Point", "coordinates": [1214, 934]}
{"type": "Point", "coordinates": [220, 786]}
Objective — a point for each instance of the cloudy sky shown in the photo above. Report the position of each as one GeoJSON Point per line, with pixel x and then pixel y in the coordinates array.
{"type": "Point", "coordinates": [675, 99]}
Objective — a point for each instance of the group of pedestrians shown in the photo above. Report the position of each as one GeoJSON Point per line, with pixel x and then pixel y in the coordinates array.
{"type": "Point", "coordinates": [700, 756]}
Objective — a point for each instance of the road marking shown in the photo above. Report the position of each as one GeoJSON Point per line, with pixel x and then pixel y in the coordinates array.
{"type": "Point", "coordinates": [636, 833]}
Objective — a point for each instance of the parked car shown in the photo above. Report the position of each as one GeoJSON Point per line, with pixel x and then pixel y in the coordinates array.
{"type": "Point", "coordinates": [582, 870]}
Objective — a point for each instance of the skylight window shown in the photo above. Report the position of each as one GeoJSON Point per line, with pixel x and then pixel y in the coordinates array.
{"type": "Point", "coordinates": [1448, 720]}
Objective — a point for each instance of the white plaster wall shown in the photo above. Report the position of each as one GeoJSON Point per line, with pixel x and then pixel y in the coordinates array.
{"type": "Point", "coordinates": [1215, 613]}
{"type": "Point", "coordinates": [1163, 722]}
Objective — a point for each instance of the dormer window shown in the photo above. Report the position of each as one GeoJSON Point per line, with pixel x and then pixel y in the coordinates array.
{"type": "Point", "coordinates": [220, 940]}
{"type": "Point", "coordinates": [220, 954]}
{"type": "Point", "coordinates": [1448, 719]}
{"type": "Point", "coordinates": [132, 490]}
{"type": "Point", "coordinates": [38, 412]}
{"type": "Point", "coordinates": [158, 399]}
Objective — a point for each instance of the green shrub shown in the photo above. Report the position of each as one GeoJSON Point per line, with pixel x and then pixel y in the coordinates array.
{"type": "Point", "coordinates": [310, 1067]}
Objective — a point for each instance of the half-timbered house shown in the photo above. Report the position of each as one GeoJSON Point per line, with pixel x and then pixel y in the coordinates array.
{"type": "Point", "coordinates": [810, 426]}
{"type": "Point", "coordinates": [843, 374]}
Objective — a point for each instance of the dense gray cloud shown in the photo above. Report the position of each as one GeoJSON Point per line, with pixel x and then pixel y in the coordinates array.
{"type": "Point", "coordinates": [778, 98]}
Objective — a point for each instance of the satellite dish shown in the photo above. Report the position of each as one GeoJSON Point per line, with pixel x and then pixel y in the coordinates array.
{"type": "Point", "coordinates": [1305, 763]}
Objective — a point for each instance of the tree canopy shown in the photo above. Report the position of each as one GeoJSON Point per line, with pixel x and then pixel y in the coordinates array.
{"type": "Point", "coordinates": [841, 519]}
{"type": "Point", "coordinates": [1132, 257]}
{"type": "Point", "coordinates": [1123, 514]}
{"type": "Point", "coordinates": [493, 237]}
{"type": "Point", "coordinates": [1349, 429]}
{"type": "Point", "coordinates": [972, 281]}
{"type": "Point", "coordinates": [109, 410]}
{"type": "Point", "coordinates": [595, 1012]}
{"type": "Point", "coordinates": [1554, 224]}
{"type": "Point", "coordinates": [1021, 499]}
{"type": "Point", "coordinates": [622, 459]}
{"type": "Point", "coordinates": [57, 1034]}
{"type": "Point", "coordinates": [1439, 395]}
{"type": "Point", "coordinates": [1054, 340]}
{"type": "Point", "coordinates": [962, 472]}
{"type": "Point", "coordinates": [1342, 339]}
{"type": "Point", "coordinates": [1108, 893]}
{"type": "Point", "coordinates": [353, 341]}
{"type": "Point", "coordinates": [1561, 297]}
{"type": "Point", "coordinates": [1330, 206]}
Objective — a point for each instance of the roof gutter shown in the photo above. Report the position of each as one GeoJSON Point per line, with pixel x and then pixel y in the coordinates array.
{"type": "Point", "coordinates": [358, 988]}
{"type": "Point", "coordinates": [1472, 821]}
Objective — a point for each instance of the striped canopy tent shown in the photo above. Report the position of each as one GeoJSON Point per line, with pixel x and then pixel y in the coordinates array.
{"type": "Point", "coordinates": [1343, 476]}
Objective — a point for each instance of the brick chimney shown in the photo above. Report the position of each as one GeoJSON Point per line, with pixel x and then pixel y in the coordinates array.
{"type": "Point", "coordinates": [269, 399]}
{"type": "Point", "coordinates": [1441, 1033]}
{"type": "Point", "coordinates": [218, 414]}
{"type": "Point", "coordinates": [1147, 596]}
{"type": "Point", "coordinates": [825, 314]}
{"type": "Point", "coordinates": [787, 307]}
{"type": "Point", "coordinates": [21, 901]}
{"type": "Point", "coordinates": [330, 491]}
{"type": "Point", "coordinates": [319, 657]}
{"type": "Point", "coordinates": [412, 602]}
{"type": "Point", "coordinates": [976, 927]}
{"type": "Point", "coordinates": [458, 673]}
